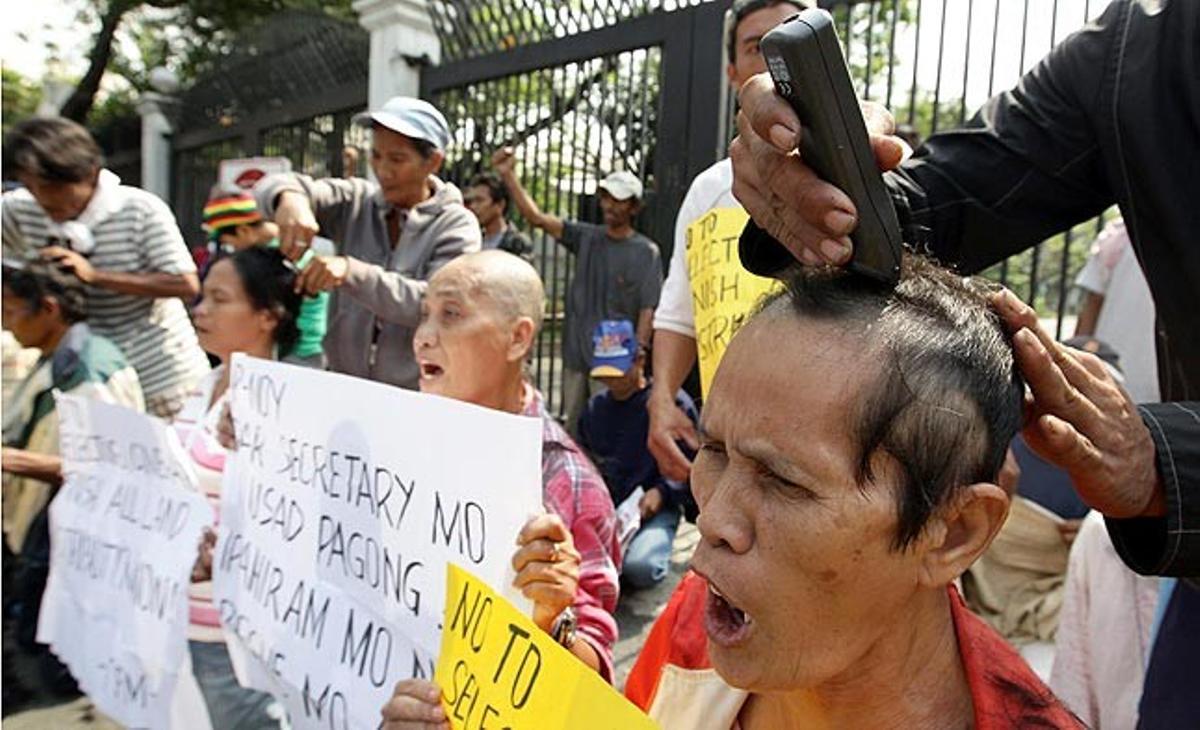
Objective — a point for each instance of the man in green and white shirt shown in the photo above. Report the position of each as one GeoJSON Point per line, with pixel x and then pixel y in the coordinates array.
{"type": "Point", "coordinates": [234, 222]}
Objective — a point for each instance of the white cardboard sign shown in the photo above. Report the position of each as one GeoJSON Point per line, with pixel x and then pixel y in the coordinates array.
{"type": "Point", "coordinates": [244, 172]}
{"type": "Point", "coordinates": [340, 509]}
{"type": "Point", "coordinates": [125, 528]}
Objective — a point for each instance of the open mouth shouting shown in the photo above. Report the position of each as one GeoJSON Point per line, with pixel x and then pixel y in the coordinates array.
{"type": "Point", "coordinates": [726, 623]}
{"type": "Point", "coordinates": [430, 371]}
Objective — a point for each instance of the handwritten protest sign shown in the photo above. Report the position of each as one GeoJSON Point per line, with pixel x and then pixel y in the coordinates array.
{"type": "Point", "coordinates": [124, 532]}
{"type": "Point", "coordinates": [723, 293]}
{"type": "Point", "coordinates": [340, 509]}
{"type": "Point", "coordinates": [497, 669]}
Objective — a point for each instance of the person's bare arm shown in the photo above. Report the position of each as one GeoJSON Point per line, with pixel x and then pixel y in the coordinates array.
{"type": "Point", "coordinates": [504, 161]}
{"type": "Point", "coordinates": [182, 286]}
{"type": "Point", "coordinates": [674, 356]}
{"type": "Point", "coordinates": [43, 467]}
{"type": "Point", "coordinates": [141, 284]}
{"type": "Point", "coordinates": [1089, 314]}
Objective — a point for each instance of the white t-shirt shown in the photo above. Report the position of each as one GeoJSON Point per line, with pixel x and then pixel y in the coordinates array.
{"type": "Point", "coordinates": [711, 189]}
{"type": "Point", "coordinates": [1126, 319]}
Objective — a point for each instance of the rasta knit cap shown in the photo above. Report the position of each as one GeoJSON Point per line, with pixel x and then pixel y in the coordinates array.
{"type": "Point", "coordinates": [229, 210]}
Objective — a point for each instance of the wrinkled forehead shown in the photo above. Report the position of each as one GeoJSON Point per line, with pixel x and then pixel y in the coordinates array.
{"type": "Point", "coordinates": [461, 282]}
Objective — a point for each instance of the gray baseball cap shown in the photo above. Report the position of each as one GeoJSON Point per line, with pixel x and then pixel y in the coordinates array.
{"type": "Point", "coordinates": [622, 185]}
{"type": "Point", "coordinates": [411, 117]}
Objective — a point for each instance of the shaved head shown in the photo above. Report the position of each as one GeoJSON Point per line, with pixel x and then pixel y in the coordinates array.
{"type": "Point", "coordinates": [503, 284]}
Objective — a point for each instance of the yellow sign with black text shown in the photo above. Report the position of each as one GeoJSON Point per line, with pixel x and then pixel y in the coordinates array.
{"type": "Point", "coordinates": [497, 669]}
{"type": "Point", "coordinates": [724, 294]}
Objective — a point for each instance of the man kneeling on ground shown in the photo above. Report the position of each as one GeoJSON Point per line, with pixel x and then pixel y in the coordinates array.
{"type": "Point", "coordinates": [480, 317]}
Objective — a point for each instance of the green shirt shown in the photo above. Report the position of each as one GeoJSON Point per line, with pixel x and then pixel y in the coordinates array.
{"type": "Point", "coordinates": [314, 315]}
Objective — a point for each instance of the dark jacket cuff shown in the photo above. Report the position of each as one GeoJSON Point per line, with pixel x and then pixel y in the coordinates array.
{"type": "Point", "coordinates": [760, 253]}
{"type": "Point", "coordinates": [1168, 545]}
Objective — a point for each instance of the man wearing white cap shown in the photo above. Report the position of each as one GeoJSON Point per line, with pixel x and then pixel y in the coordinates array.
{"type": "Point", "coordinates": [618, 273]}
{"type": "Point", "coordinates": [392, 235]}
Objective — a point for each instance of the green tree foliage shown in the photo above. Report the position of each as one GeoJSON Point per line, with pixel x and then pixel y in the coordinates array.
{"type": "Point", "coordinates": [183, 34]}
{"type": "Point", "coordinates": [20, 97]}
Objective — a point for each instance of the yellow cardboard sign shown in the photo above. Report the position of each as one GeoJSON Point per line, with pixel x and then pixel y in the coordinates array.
{"type": "Point", "coordinates": [497, 669]}
{"type": "Point", "coordinates": [723, 293]}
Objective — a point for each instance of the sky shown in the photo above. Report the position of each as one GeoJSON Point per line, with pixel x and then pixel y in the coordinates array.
{"type": "Point", "coordinates": [41, 21]}
{"type": "Point", "coordinates": [1045, 17]}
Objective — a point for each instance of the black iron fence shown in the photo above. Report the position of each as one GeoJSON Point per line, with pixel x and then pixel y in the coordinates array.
{"type": "Point", "coordinates": [312, 144]}
{"type": "Point", "coordinates": [582, 89]}
{"type": "Point", "coordinates": [289, 89]}
{"type": "Point", "coordinates": [581, 92]}
{"type": "Point", "coordinates": [569, 125]}
{"type": "Point", "coordinates": [934, 62]}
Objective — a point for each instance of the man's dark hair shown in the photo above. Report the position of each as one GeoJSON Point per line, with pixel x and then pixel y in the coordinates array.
{"type": "Point", "coordinates": [424, 147]}
{"type": "Point", "coordinates": [51, 148]}
{"type": "Point", "coordinates": [38, 280]}
{"type": "Point", "coordinates": [742, 8]}
{"type": "Point", "coordinates": [947, 400]}
{"type": "Point", "coordinates": [269, 281]}
{"type": "Point", "coordinates": [496, 187]}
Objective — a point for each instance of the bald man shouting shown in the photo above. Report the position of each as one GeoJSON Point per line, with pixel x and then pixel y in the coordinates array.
{"type": "Point", "coordinates": [480, 317]}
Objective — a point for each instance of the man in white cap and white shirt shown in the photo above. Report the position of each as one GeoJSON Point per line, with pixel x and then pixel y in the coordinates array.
{"type": "Point", "coordinates": [392, 234]}
{"type": "Point", "coordinates": [618, 272]}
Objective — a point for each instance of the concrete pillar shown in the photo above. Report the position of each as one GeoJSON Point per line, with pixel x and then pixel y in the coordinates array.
{"type": "Point", "coordinates": [402, 40]}
{"type": "Point", "coordinates": [155, 110]}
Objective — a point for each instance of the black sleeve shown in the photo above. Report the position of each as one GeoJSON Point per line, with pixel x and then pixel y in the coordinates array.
{"type": "Point", "coordinates": [1028, 165]}
{"type": "Point", "coordinates": [1168, 545]}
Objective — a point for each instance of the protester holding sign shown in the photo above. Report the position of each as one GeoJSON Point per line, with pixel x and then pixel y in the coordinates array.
{"type": "Point", "coordinates": [46, 309]}
{"type": "Point", "coordinates": [124, 526]}
{"type": "Point", "coordinates": [500, 671]}
{"type": "Point", "coordinates": [850, 451]}
{"type": "Point", "coordinates": [481, 315]}
{"type": "Point", "coordinates": [250, 305]}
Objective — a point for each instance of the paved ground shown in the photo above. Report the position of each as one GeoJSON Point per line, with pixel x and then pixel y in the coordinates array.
{"type": "Point", "coordinates": [638, 609]}
{"type": "Point", "coordinates": [635, 615]}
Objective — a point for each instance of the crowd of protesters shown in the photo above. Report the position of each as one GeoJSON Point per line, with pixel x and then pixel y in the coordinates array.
{"type": "Point", "coordinates": [870, 473]}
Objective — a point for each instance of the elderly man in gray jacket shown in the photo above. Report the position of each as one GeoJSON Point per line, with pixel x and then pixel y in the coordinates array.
{"type": "Point", "coordinates": [392, 236]}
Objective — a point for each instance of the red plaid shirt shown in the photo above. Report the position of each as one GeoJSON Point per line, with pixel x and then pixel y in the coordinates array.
{"type": "Point", "coordinates": [574, 490]}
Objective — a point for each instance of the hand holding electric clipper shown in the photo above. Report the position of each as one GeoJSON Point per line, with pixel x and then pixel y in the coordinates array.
{"type": "Point", "coordinates": [809, 73]}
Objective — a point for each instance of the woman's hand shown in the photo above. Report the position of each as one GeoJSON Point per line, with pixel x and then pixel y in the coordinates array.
{"type": "Point", "coordinates": [415, 705]}
{"type": "Point", "coordinates": [547, 566]}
